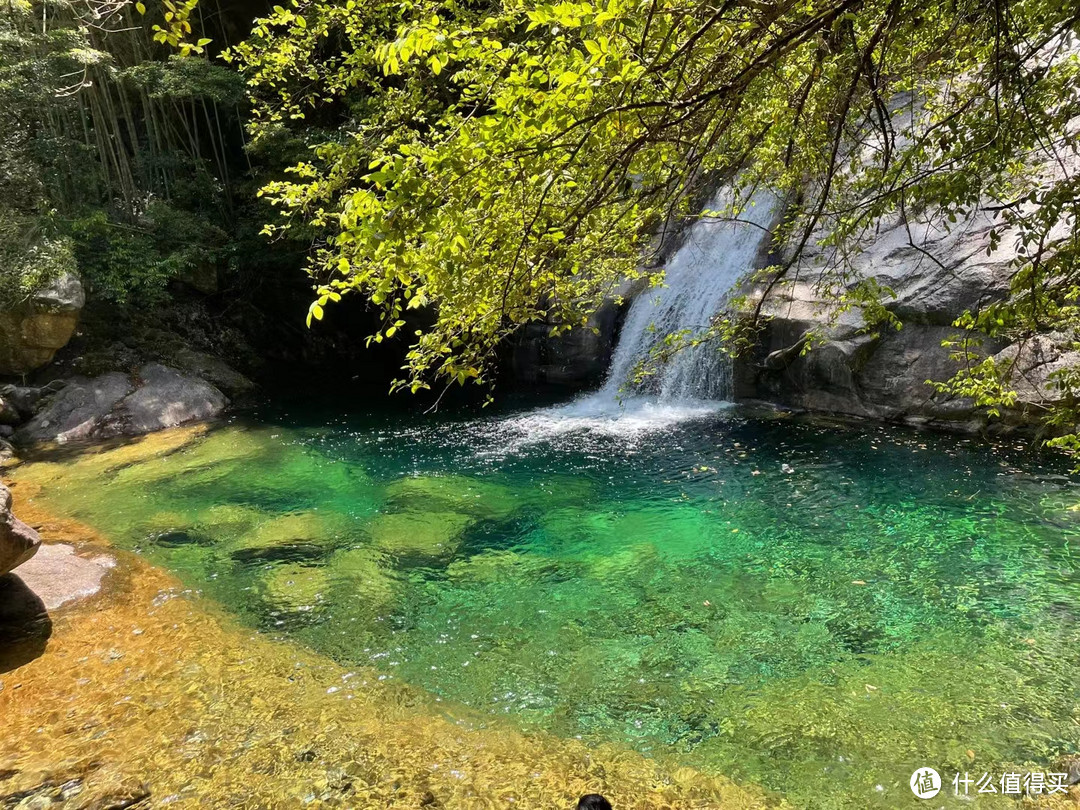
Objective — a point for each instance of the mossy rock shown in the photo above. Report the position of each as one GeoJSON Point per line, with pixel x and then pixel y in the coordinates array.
{"type": "Point", "coordinates": [426, 534]}
{"type": "Point", "coordinates": [364, 572]}
{"type": "Point", "coordinates": [164, 522]}
{"type": "Point", "coordinates": [298, 530]}
{"type": "Point", "coordinates": [452, 493]}
{"type": "Point", "coordinates": [229, 520]}
{"type": "Point", "coordinates": [170, 529]}
{"type": "Point", "coordinates": [295, 586]}
{"type": "Point", "coordinates": [186, 559]}
{"type": "Point", "coordinates": [503, 565]}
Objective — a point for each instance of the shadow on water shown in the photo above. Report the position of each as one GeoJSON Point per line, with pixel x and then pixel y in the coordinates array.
{"type": "Point", "coordinates": [25, 626]}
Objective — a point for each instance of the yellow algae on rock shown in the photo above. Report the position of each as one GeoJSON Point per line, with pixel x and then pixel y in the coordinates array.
{"type": "Point", "coordinates": [220, 454]}
{"type": "Point", "coordinates": [146, 694]}
{"type": "Point", "coordinates": [51, 465]}
{"type": "Point", "coordinates": [430, 534]}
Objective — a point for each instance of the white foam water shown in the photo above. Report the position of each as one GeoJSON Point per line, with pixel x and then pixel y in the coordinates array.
{"type": "Point", "coordinates": [627, 419]}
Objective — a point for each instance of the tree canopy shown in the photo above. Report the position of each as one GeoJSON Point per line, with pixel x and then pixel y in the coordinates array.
{"type": "Point", "coordinates": [468, 167]}
{"type": "Point", "coordinates": [503, 162]}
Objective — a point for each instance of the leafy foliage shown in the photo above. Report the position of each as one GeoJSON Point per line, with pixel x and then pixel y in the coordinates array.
{"type": "Point", "coordinates": [30, 258]}
{"type": "Point", "coordinates": [117, 149]}
{"type": "Point", "coordinates": [512, 161]}
{"type": "Point", "coordinates": [127, 264]}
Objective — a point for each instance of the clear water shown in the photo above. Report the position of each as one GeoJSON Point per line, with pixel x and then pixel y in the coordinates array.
{"type": "Point", "coordinates": [816, 609]}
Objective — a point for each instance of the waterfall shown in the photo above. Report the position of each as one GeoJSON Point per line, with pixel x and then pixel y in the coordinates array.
{"type": "Point", "coordinates": [714, 255]}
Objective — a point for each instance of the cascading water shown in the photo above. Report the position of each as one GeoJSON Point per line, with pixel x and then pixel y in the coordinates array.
{"type": "Point", "coordinates": [716, 253]}
{"type": "Point", "coordinates": [695, 381]}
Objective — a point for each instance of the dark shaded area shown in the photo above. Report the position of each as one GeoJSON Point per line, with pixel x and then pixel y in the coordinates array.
{"type": "Point", "coordinates": [25, 626]}
{"type": "Point", "coordinates": [180, 537]}
{"type": "Point", "coordinates": [298, 551]}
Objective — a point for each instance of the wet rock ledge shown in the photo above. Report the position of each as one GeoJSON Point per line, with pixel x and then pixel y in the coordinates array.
{"type": "Point", "coordinates": [18, 542]}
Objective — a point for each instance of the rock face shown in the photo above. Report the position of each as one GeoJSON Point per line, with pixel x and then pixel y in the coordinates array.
{"type": "Point", "coordinates": [935, 275]}
{"type": "Point", "coordinates": [576, 359]}
{"type": "Point", "coordinates": [18, 542]}
{"type": "Point", "coordinates": [58, 575]}
{"type": "Point", "coordinates": [115, 404]}
{"type": "Point", "coordinates": [31, 333]}
{"type": "Point", "coordinates": [215, 371]}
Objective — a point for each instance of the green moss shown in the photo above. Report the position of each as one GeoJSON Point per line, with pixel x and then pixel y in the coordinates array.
{"type": "Point", "coordinates": [294, 586]}
{"type": "Point", "coordinates": [453, 493]}
{"type": "Point", "coordinates": [429, 534]}
{"type": "Point", "coordinates": [311, 529]}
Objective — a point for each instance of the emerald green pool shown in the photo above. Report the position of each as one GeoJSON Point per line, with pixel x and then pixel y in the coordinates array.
{"type": "Point", "coordinates": [816, 609]}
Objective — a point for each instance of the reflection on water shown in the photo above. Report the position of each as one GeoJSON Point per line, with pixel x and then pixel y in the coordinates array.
{"type": "Point", "coordinates": [816, 610]}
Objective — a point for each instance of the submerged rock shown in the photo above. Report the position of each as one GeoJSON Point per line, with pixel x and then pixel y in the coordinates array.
{"type": "Point", "coordinates": [115, 404]}
{"type": "Point", "coordinates": [301, 535]}
{"type": "Point", "coordinates": [366, 572]}
{"type": "Point", "coordinates": [229, 520]}
{"type": "Point", "coordinates": [295, 586]}
{"type": "Point", "coordinates": [454, 493]}
{"type": "Point", "coordinates": [18, 542]}
{"type": "Point", "coordinates": [427, 534]}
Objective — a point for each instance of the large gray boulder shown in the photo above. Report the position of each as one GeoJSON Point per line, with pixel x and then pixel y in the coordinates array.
{"type": "Point", "coordinates": [32, 332]}
{"type": "Point", "coordinates": [18, 542]}
{"type": "Point", "coordinates": [115, 404]}
{"type": "Point", "coordinates": [164, 398]}
{"type": "Point", "coordinates": [78, 411]}
{"type": "Point", "coordinates": [934, 273]}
